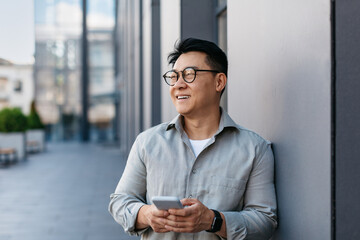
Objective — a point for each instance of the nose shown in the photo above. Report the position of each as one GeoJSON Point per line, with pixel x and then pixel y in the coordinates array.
{"type": "Point", "coordinates": [180, 83]}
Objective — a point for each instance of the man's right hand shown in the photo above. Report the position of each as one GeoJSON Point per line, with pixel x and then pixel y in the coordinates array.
{"type": "Point", "coordinates": [149, 215]}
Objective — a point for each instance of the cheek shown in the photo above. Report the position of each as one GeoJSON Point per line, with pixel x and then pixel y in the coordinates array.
{"type": "Point", "coordinates": [171, 92]}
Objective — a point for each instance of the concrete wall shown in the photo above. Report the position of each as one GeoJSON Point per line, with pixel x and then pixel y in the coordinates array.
{"type": "Point", "coordinates": [279, 85]}
{"type": "Point", "coordinates": [146, 58]}
{"type": "Point", "coordinates": [170, 33]}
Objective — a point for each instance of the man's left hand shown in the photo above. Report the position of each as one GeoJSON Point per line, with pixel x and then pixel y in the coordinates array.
{"type": "Point", "coordinates": [194, 218]}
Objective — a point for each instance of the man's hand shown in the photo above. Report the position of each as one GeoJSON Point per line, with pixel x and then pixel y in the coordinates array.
{"type": "Point", "coordinates": [194, 218]}
{"type": "Point", "coordinates": [149, 215]}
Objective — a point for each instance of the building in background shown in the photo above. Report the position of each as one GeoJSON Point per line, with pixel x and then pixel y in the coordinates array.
{"type": "Point", "coordinates": [103, 92]}
{"type": "Point", "coordinates": [57, 67]}
{"type": "Point", "coordinates": [16, 85]}
{"type": "Point", "coordinates": [293, 78]}
{"type": "Point", "coordinates": [58, 64]}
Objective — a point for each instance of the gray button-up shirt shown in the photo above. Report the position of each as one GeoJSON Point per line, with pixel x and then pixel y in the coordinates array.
{"type": "Point", "coordinates": [233, 174]}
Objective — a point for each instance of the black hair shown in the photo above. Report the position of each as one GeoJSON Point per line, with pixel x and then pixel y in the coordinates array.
{"type": "Point", "coordinates": [216, 58]}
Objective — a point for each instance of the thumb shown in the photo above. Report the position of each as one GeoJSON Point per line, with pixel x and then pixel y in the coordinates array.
{"type": "Point", "coordinates": [188, 201]}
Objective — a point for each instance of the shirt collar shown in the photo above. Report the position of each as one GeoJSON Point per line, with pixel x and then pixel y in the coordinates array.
{"type": "Point", "coordinates": [225, 122]}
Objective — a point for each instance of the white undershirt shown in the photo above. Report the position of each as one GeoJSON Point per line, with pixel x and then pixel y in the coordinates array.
{"type": "Point", "coordinates": [198, 145]}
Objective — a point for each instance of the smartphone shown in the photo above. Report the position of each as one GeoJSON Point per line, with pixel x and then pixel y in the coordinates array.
{"type": "Point", "coordinates": [166, 202]}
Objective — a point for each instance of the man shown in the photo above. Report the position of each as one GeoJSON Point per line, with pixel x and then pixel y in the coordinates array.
{"type": "Point", "coordinates": [222, 172]}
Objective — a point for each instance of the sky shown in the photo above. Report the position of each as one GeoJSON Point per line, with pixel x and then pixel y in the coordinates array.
{"type": "Point", "coordinates": [17, 37]}
{"type": "Point", "coordinates": [17, 42]}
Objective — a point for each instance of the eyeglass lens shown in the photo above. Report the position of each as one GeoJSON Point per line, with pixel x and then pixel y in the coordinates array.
{"type": "Point", "coordinates": [188, 75]}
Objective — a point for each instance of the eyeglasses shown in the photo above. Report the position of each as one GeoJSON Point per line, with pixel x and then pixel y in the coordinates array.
{"type": "Point", "coordinates": [188, 74]}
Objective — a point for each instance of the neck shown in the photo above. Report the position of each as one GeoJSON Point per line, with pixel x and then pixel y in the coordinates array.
{"type": "Point", "coordinates": [202, 127]}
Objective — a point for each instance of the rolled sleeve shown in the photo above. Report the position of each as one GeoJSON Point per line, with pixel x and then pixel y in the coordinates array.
{"type": "Point", "coordinates": [258, 218]}
{"type": "Point", "coordinates": [130, 193]}
{"type": "Point", "coordinates": [126, 214]}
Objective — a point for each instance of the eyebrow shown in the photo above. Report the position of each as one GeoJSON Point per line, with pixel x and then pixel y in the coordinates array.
{"type": "Point", "coordinates": [195, 67]}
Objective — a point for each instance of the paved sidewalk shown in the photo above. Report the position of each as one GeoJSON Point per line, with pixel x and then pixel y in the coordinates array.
{"type": "Point", "coordinates": [61, 194]}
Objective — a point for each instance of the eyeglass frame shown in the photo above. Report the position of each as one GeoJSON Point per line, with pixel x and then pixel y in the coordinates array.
{"type": "Point", "coordinates": [183, 76]}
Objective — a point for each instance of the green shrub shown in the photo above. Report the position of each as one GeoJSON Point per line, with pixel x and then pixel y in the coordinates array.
{"type": "Point", "coordinates": [33, 120]}
{"type": "Point", "coordinates": [12, 120]}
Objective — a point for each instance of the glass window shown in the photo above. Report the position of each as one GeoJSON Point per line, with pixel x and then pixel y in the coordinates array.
{"type": "Point", "coordinates": [101, 23]}
{"type": "Point", "coordinates": [58, 28]}
{"type": "Point", "coordinates": [58, 60]}
{"type": "Point", "coordinates": [18, 86]}
{"type": "Point", "coordinates": [3, 84]}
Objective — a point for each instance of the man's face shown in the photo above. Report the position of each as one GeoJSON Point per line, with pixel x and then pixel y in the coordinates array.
{"type": "Point", "coordinates": [196, 98]}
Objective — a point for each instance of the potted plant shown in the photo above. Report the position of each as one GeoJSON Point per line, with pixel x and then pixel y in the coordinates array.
{"type": "Point", "coordinates": [13, 124]}
{"type": "Point", "coordinates": [35, 134]}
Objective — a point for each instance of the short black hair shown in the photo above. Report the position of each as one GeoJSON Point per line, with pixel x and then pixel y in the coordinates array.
{"type": "Point", "coordinates": [216, 58]}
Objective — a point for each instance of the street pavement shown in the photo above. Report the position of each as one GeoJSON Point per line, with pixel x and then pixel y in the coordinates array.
{"type": "Point", "coordinates": [61, 194]}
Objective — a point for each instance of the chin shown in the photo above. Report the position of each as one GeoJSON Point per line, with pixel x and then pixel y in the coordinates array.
{"type": "Point", "coordinates": [182, 111]}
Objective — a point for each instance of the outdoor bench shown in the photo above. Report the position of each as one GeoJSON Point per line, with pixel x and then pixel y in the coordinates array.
{"type": "Point", "coordinates": [7, 154]}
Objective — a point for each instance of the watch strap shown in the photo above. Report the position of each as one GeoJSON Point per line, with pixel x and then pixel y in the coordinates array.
{"type": "Point", "coordinates": [217, 222]}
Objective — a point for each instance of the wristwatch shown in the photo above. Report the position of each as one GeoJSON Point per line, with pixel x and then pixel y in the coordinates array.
{"type": "Point", "coordinates": [217, 222]}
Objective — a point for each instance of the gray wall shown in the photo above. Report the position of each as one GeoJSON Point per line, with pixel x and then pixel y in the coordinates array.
{"type": "Point", "coordinates": [279, 85]}
{"type": "Point", "coordinates": [197, 19]}
{"type": "Point", "coordinates": [155, 63]}
{"type": "Point", "coordinates": [139, 67]}
{"type": "Point", "coordinates": [347, 119]}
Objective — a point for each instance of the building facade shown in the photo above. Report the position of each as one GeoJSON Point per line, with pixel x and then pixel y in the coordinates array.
{"type": "Point", "coordinates": [16, 85]}
{"type": "Point", "coordinates": [292, 78]}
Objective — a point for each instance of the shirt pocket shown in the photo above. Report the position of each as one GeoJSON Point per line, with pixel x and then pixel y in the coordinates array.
{"type": "Point", "coordinates": [227, 193]}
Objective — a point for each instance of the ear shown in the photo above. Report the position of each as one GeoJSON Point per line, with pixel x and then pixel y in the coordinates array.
{"type": "Point", "coordinates": [221, 80]}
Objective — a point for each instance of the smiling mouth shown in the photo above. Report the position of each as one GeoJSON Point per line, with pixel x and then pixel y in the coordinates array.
{"type": "Point", "coordinates": [182, 97]}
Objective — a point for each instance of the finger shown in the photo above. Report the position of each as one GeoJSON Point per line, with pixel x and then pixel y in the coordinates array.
{"type": "Point", "coordinates": [156, 222]}
{"type": "Point", "coordinates": [159, 213]}
{"type": "Point", "coordinates": [175, 224]}
{"type": "Point", "coordinates": [159, 221]}
{"type": "Point", "coordinates": [188, 211]}
{"type": "Point", "coordinates": [178, 229]}
{"type": "Point", "coordinates": [177, 218]}
{"type": "Point", "coordinates": [158, 225]}
{"type": "Point", "coordinates": [180, 212]}
{"type": "Point", "coordinates": [181, 224]}
{"type": "Point", "coordinates": [189, 201]}
{"type": "Point", "coordinates": [160, 229]}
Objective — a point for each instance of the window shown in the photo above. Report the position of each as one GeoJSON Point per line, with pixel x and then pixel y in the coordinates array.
{"type": "Point", "coordinates": [18, 86]}
{"type": "Point", "coordinates": [3, 83]}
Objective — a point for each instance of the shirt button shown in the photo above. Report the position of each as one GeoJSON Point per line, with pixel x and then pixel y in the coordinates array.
{"type": "Point", "coordinates": [193, 171]}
